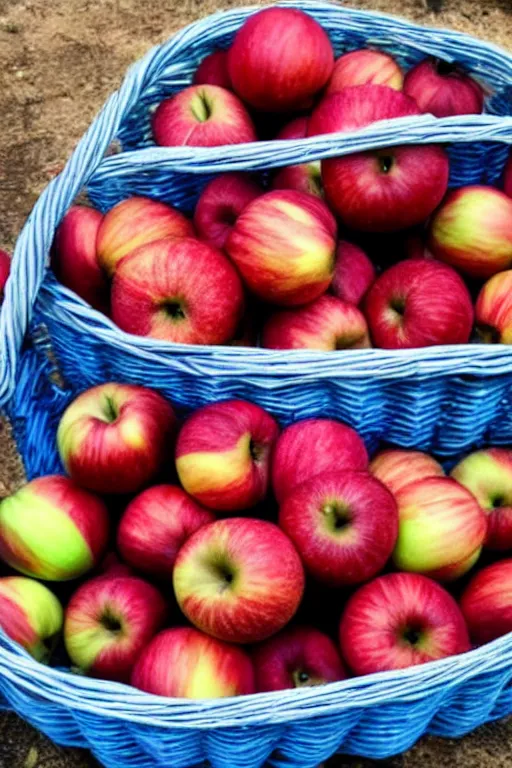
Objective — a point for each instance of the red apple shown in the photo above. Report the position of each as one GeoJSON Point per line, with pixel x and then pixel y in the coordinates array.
{"type": "Point", "coordinates": [493, 309]}
{"type": "Point", "coordinates": [280, 59]}
{"type": "Point", "coordinates": [296, 129]}
{"type": "Point", "coordinates": [507, 177]}
{"type": "Point", "coordinates": [213, 70]}
{"type": "Point", "coordinates": [5, 268]}
{"type": "Point", "coordinates": [240, 580]}
{"type": "Point", "coordinates": [30, 615]}
{"type": "Point", "coordinates": [443, 89]}
{"type": "Point", "coordinates": [223, 454]}
{"type": "Point", "coordinates": [182, 291]}
{"type": "Point", "coordinates": [397, 468]}
{"type": "Point", "coordinates": [114, 438]}
{"type": "Point", "coordinates": [415, 247]}
{"type": "Point", "coordinates": [365, 67]}
{"type": "Point", "coordinates": [400, 620]}
{"type": "Point", "coordinates": [487, 603]}
{"type": "Point", "coordinates": [305, 177]}
{"type": "Point", "coordinates": [354, 273]}
{"type": "Point", "coordinates": [419, 303]}
{"type": "Point", "coordinates": [221, 203]}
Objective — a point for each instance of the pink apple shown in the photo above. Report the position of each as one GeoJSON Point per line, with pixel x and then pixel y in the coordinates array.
{"type": "Point", "coordinates": [52, 529]}
{"type": "Point", "coordinates": [5, 268]}
{"type": "Point", "coordinates": [487, 603]}
{"type": "Point", "coordinates": [223, 454]}
{"type": "Point", "coordinates": [493, 309]}
{"type": "Point", "coordinates": [354, 273]}
{"type": "Point", "coordinates": [181, 291]}
{"type": "Point", "coordinates": [186, 664]}
{"type": "Point", "coordinates": [284, 245]}
{"type": "Point", "coordinates": [419, 303]}
{"type": "Point", "coordinates": [400, 620]}
{"type": "Point", "coordinates": [443, 89]}
{"type": "Point", "coordinates": [397, 468]}
{"type": "Point", "coordinates": [114, 438]}
{"type": "Point", "coordinates": [155, 525]}
{"type": "Point", "coordinates": [221, 203]}
{"type": "Point", "coordinates": [297, 657]}
{"type": "Point", "coordinates": [313, 446]}
{"type": "Point", "coordinates": [30, 615]}
{"type": "Point", "coordinates": [280, 59]}
{"type": "Point", "coordinates": [507, 177]}
{"type": "Point", "coordinates": [365, 67]}
{"type": "Point", "coordinates": [202, 116]}
{"type": "Point", "coordinates": [240, 580]}
{"type": "Point", "coordinates": [305, 177]}
{"type": "Point", "coordinates": [296, 129]}
{"type": "Point", "coordinates": [213, 70]}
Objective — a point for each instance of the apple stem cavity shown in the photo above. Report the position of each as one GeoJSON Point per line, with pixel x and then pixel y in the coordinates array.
{"type": "Point", "coordinates": [201, 108]}
{"type": "Point", "coordinates": [111, 623]}
{"type": "Point", "coordinates": [110, 410]}
{"type": "Point", "coordinates": [174, 310]}
{"type": "Point", "coordinates": [411, 635]}
{"type": "Point", "coordinates": [337, 516]}
{"type": "Point", "coordinates": [386, 163]}
{"type": "Point", "coordinates": [488, 334]}
{"type": "Point", "coordinates": [255, 450]}
{"type": "Point", "coordinates": [398, 305]}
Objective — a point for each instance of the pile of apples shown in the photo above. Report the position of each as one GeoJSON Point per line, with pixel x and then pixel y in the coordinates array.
{"type": "Point", "coordinates": [219, 527]}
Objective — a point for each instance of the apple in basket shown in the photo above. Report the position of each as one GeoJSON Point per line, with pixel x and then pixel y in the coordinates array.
{"type": "Point", "coordinates": [487, 602]}
{"type": "Point", "coordinates": [240, 580]}
{"type": "Point", "coordinates": [443, 89]}
{"type": "Point", "coordinates": [365, 67]}
{"type": "Point", "coordinates": [30, 615]}
{"type": "Point", "coordinates": [52, 529]}
{"type": "Point", "coordinates": [114, 438]}
{"type": "Point", "coordinates": [399, 620]}
{"type": "Point", "coordinates": [305, 177]}
{"type": "Point", "coordinates": [493, 309]}
{"type": "Point", "coordinates": [397, 468]}
{"type": "Point", "coordinates": [507, 177]}
{"type": "Point", "coordinates": [354, 273]}
{"type": "Point", "coordinates": [5, 268]}
{"type": "Point", "coordinates": [221, 203]}
{"type": "Point", "coordinates": [213, 70]}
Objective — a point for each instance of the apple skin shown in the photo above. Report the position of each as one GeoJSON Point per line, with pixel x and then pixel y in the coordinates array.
{"type": "Point", "coordinates": [306, 177]}
{"type": "Point", "coordinates": [280, 58]}
{"type": "Point", "coordinates": [365, 67]}
{"type": "Point", "coordinates": [155, 525]}
{"type": "Point", "coordinates": [240, 580]}
{"type": "Point", "coordinates": [220, 204]}
{"type": "Point", "coordinates": [186, 664]}
{"type": "Point", "coordinates": [443, 89]}
{"type": "Point", "coordinates": [399, 620]}
{"type": "Point", "coordinates": [327, 324]}
{"type": "Point", "coordinates": [297, 657]}
{"type": "Point", "coordinates": [419, 303]}
{"type": "Point", "coordinates": [5, 268]}
{"type": "Point", "coordinates": [507, 177]}
{"type": "Point", "coordinates": [493, 309]}
{"type": "Point", "coordinates": [135, 222]}
{"type": "Point", "coordinates": [332, 522]}
{"type": "Point", "coordinates": [487, 602]}
{"type": "Point", "coordinates": [223, 454]}
{"type": "Point", "coordinates": [184, 292]}
{"type": "Point", "coordinates": [114, 438]}
{"type": "Point", "coordinates": [472, 231]}
{"type": "Point", "coordinates": [53, 530]}
{"type": "Point", "coordinates": [397, 468]}
{"type": "Point", "coordinates": [213, 70]}
{"type": "Point", "coordinates": [441, 528]}
{"type": "Point", "coordinates": [202, 116]}
{"type": "Point", "coordinates": [354, 273]}
{"type": "Point", "coordinates": [313, 446]}
{"type": "Point", "coordinates": [284, 245]}
{"type": "Point", "coordinates": [30, 615]}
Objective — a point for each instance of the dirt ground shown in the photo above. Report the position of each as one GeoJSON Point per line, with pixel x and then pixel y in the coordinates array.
{"type": "Point", "coordinates": [59, 60]}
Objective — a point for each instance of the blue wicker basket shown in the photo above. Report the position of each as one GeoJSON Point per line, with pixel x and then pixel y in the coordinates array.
{"type": "Point", "coordinates": [445, 399]}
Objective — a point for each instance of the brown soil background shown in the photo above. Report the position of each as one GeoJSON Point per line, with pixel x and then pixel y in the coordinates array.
{"type": "Point", "coordinates": [59, 60]}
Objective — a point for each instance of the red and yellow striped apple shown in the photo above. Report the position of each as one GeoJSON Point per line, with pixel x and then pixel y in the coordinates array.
{"type": "Point", "coordinates": [305, 177]}
{"type": "Point", "coordinates": [443, 89]}
{"type": "Point", "coordinates": [213, 70]}
{"type": "Point", "coordinates": [30, 615]}
{"type": "Point", "coordinates": [5, 268]}
{"type": "Point", "coordinates": [493, 309]}
{"type": "Point", "coordinates": [354, 273]}
{"type": "Point", "coordinates": [221, 203]}
{"type": "Point", "coordinates": [397, 468]}
{"type": "Point", "coordinates": [365, 67]}
{"type": "Point", "coordinates": [487, 603]}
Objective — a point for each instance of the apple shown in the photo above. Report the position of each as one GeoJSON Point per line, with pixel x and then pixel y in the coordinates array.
{"type": "Point", "coordinates": [223, 454]}
{"type": "Point", "coordinates": [441, 528]}
{"type": "Point", "coordinates": [154, 526]}
{"type": "Point", "coordinates": [313, 446]}
{"type": "Point", "coordinates": [114, 438]}
{"type": "Point", "coordinates": [419, 303]}
{"type": "Point", "coordinates": [185, 292]}
{"type": "Point", "coordinates": [109, 621]}
{"type": "Point", "coordinates": [52, 530]}
{"type": "Point", "coordinates": [280, 59]}
{"type": "Point", "coordinates": [487, 603]}
{"type": "Point", "coordinates": [213, 70]}
{"type": "Point", "coordinates": [30, 615]}
{"type": "Point", "coordinates": [186, 664]}
{"type": "Point", "coordinates": [134, 222]}
{"type": "Point", "coordinates": [327, 324]}
{"type": "Point", "coordinates": [5, 268]}
{"type": "Point", "coordinates": [297, 657]}
{"type": "Point", "coordinates": [221, 203]}
{"type": "Point", "coordinates": [397, 468]}
{"type": "Point", "coordinates": [507, 177]}
{"type": "Point", "coordinates": [493, 309]}
{"type": "Point", "coordinates": [443, 89]}
{"type": "Point", "coordinates": [472, 231]}
{"type": "Point", "coordinates": [365, 67]}
{"type": "Point", "coordinates": [400, 620]}
{"type": "Point", "coordinates": [240, 580]}
{"type": "Point", "coordinates": [202, 116]}
{"type": "Point", "coordinates": [305, 177]}
{"type": "Point", "coordinates": [354, 273]}
{"type": "Point", "coordinates": [415, 247]}
{"type": "Point", "coordinates": [284, 245]}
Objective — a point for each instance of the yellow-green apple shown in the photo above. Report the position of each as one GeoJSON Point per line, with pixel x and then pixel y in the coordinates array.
{"type": "Point", "coordinates": [284, 246]}
{"type": "Point", "coordinates": [74, 256]}
{"type": "Point", "coordinates": [114, 438]}
{"type": "Point", "coordinates": [181, 291]}
{"type": "Point", "coordinates": [297, 657]}
{"type": "Point", "coordinates": [443, 89]}
{"type": "Point", "coordinates": [305, 177]}
{"type": "Point", "coordinates": [441, 528]}
{"type": "Point", "coordinates": [312, 446]}
{"type": "Point", "coordinates": [221, 203]}
{"type": "Point", "coordinates": [396, 468]}
{"type": "Point", "coordinates": [202, 116]}
{"type": "Point", "coordinates": [487, 603]}
{"type": "Point", "coordinates": [52, 529]}
{"type": "Point", "coordinates": [493, 309]}
{"type": "Point", "coordinates": [400, 620]}
{"type": "Point", "coordinates": [223, 454]}
{"type": "Point", "coordinates": [186, 664]}
{"type": "Point", "coordinates": [507, 177]}
{"type": "Point", "coordinates": [331, 518]}
{"type": "Point", "coordinates": [419, 303]}
{"type": "Point", "coordinates": [240, 580]}
{"type": "Point", "coordinates": [135, 222]}
{"type": "Point", "coordinates": [472, 231]}
{"type": "Point", "coordinates": [280, 59]}
{"type": "Point", "coordinates": [488, 475]}
{"type": "Point", "coordinates": [155, 525]}
{"type": "Point", "coordinates": [30, 615]}
{"type": "Point", "coordinates": [354, 273]}
{"type": "Point", "coordinates": [326, 324]}
{"type": "Point", "coordinates": [5, 268]}
{"type": "Point", "coordinates": [365, 67]}
{"type": "Point", "coordinates": [213, 70]}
